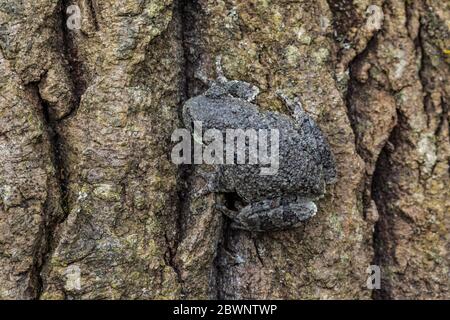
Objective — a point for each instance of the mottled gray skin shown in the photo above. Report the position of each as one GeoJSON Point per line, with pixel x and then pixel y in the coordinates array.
{"type": "Point", "coordinates": [306, 163]}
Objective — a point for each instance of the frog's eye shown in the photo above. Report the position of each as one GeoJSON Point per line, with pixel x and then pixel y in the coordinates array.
{"type": "Point", "coordinates": [243, 90]}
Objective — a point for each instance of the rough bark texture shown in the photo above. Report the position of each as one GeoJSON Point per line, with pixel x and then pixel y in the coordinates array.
{"type": "Point", "coordinates": [86, 179]}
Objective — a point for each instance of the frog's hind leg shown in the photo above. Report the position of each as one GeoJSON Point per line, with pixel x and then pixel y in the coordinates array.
{"type": "Point", "coordinates": [309, 125]}
{"type": "Point", "coordinates": [275, 214]}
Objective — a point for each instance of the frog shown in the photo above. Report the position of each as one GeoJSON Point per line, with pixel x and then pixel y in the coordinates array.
{"type": "Point", "coordinates": [287, 197]}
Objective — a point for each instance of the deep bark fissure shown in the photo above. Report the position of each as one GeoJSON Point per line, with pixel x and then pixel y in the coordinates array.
{"type": "Point", "coordinates": [169, 257]}
{"type": "Point", "coordinates": [93, 10]}
{"type": "Point", "coordinates": [222, 247]}
{"type": "Point", "coordinates": [384, 237]}
{"type": "Point", "coordinates": [352, 84]}
{"type": "Point", "coordinates": [50, 222]}
{"type": "Point", "coordinates": [379, 240]}
{"type": "Point", "coordinates": [56, 143]}
{"type": "Point", "coordinates": [184, 171]}
{"type": "Point", "coordinates": [75, 66]}
{"type": "Point", "coordinates": [370, 182]}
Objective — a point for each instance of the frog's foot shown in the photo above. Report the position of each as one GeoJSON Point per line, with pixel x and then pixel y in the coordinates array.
{"type": "Point", "coordinates": [227, 212]}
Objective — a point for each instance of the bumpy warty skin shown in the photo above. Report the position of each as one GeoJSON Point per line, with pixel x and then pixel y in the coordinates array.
{"type": "Point", "coordinates": [306, 162]}
{"type": "Point", "coordinates": [275, 214]}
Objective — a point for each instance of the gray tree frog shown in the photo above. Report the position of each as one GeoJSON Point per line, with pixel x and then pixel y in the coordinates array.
{"type": "Point", "coordinates": [266, 202]}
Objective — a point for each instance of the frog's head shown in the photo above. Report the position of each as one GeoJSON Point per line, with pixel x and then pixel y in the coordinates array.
{"type": "Point", "coordinates": [234, 88]}
{"type": "Point", "coordinates": [222, 87]}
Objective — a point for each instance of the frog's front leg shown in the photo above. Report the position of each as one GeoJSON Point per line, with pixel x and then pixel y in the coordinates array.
{"type": "Point", "coordinates": [205, 180]}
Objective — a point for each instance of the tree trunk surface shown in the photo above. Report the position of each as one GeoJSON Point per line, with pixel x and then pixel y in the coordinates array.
{"type": "Point", "coordinates": [87, 185]}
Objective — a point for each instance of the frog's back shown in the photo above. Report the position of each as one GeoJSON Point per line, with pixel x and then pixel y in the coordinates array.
{"type": "Point", "coordinates": [299, 169]}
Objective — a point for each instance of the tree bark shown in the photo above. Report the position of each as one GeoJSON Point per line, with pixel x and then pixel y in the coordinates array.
{"type": "Point", "coordinates": [87, 183]}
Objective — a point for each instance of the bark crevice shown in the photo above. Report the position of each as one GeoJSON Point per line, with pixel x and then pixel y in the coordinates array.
{"type": "Point", "coordinates": [51, 123]}
{"type": "Point", "coordinates": [93, 9]}
{"type": "Point", "coordinates": [75, 66]}
{"type": "Point", "coordinates": [50, 221]}
{"type": "Point", "coordinates": [182, 15]}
